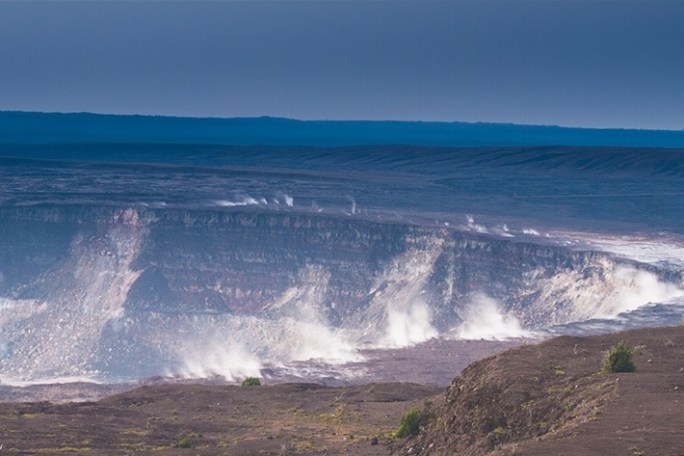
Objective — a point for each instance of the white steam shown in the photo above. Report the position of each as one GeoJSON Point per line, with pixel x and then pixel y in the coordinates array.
{"type": "Point", "coordinates": [661, 249]}
{"type": "Point", "coordinates": [301, 322]}
{"type": "Point", "coordinates": [214, 359]}
{"type": "Point", "coordinates": [63, 380]}
{"type": "Point", "coordinates": [315, 341]}
{"type": "Point", "coordinates": [636, 288]}
{"type": "Point", "coordinates": [400, 298]}
{"type": "Point", "coordinates": [600, 289]}
{"type": "Point", "coordinates": [408, 326]}
{"type": "Point", "coordinates": [353, 204]}
{"type": "Point", "coordinates": [243, 199]}
{"type": "Point", "coordinates": [293, 328]}
{"type": "Point", "coordinates": [235, 347]}
{"type": "Point", "coordinates": [59, 336]}
{"type": "Point", "coordinates": [483, 319]}
{"type": "Point", "coordinates": [503, 230]}
{"type": "Point", "coordinates": [286, 199]}
{"type": "Point", "coordinates": [476, 227]}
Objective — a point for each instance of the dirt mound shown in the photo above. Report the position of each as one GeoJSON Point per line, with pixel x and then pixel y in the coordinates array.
{"type": "Point", "coordinates": [552, 399]}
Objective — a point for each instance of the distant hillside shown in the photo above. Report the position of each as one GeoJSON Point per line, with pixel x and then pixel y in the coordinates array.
{"type": "Point", "coordinates": [54, 128]}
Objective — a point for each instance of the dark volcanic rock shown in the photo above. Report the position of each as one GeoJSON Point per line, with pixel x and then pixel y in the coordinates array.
{"type": "Point", "coordinates": [267, 420]}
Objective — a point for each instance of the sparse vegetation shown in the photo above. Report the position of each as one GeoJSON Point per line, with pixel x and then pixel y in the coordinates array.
{"type": "Point", "coordinates": [413, 420]}
{"type": "Point", "coordinates": [500, 431]}
{"type": "Point", "coordinates": [499, 435]}
{"type": "Point", "coordinates": [619, 359]}
{"type": "Point", "coordinates": [251, 381]}
{"type": "Point", "coordinates": [557, 371]}
{"type": "Point", "coordinates": [185, 442]}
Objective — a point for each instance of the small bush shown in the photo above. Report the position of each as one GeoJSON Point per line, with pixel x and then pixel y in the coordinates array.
{"type": "Point", "coordinates": [185, 442]}
{"type": "Point", "coordinates": [619, 359]}
{"type": "Point", "coordinates": [500, 431]}
{"type": "Point", "coordinates": [251, 381]}
{"type": "Point", "coordinates": [413, 420]}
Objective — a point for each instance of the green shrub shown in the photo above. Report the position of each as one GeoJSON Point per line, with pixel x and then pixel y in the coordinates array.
{"type": "Point", "coordinates": [251, 381]}
{"type": "Point", "coordinates": [413, 420]}
{"type": "Point", "coordinates": [185, 442]}
{"type": "Point", "coordinates": [619, 359]}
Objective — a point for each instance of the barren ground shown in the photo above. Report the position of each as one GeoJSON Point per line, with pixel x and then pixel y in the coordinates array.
{"type": "Point", "coordinates": [534, 400]}
{"type": "Point", "coordinates": [217, 420]}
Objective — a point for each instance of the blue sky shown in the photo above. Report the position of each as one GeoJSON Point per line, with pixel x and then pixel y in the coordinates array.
{"type": "Point", "coordinates": [575, 63]}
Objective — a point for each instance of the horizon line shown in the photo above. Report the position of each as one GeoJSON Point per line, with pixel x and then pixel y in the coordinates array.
{"type": "Point", "coordinates": [292, 119]}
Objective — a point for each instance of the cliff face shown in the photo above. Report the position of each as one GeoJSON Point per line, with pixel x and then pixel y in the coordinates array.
{"type": "Point", "coordinates": [243, 261]}
{"type": "Point", "coordinates": [118, 284]}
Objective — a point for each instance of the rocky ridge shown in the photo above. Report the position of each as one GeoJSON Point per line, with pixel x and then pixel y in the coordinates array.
{"type": "Point", "coordinates": [551, 398]}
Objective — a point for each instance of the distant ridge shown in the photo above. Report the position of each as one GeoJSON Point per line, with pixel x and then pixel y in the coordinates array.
{"type": "Point", "coordinates": [57, 128]}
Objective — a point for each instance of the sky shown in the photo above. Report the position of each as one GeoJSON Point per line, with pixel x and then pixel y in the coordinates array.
{"type": "Point", "coordinates": [617, 64]}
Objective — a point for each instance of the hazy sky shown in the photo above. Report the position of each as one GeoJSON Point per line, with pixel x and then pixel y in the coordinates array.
{"type": "Point", "coordinates": [575, 63]}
